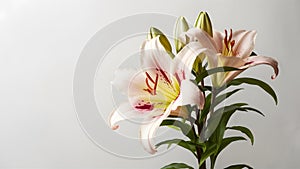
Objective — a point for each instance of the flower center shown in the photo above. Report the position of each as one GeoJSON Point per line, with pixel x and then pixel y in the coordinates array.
{"type": "Point", "coordinates": [162, 89]}
{"type": "Point", "coordinates": [228, 44]}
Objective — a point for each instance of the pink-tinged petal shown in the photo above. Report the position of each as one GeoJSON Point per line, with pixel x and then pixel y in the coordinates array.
{"type": "Point", "coordinates": [184, 60]}
{"type": "Point", "coordinates": [127, 112]}
{"type": "Point", "coordinates": [200, 36]}
{"type": "Point", "coordinates": [123, 112]}
{"type": "Point", "coordinates": [230, 61]}
{"type": "Point", "coordinates": [257, 60]}
{"type": "Point", "coordinates": [154, 55]}
{"type": "Point", "coordinates": [189, 95]}
{"type": "Point", "coordinates": [149, 129]}
{"type": "Point", "coordinates": [218, 38]}
{"type": "Point", "coordinates": [244, 43]}
{"type": "Point", "coordinates": [253, 61]}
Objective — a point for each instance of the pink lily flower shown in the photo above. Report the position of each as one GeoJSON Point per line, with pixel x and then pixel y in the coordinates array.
{"type": "Point", "coordinates": [231, 49]}
{"type": "Point", "coordinates": [158, 90]}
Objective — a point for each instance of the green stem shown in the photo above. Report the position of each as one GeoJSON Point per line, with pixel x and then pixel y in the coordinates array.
{"type": "Point", "coordinates": [200, 127]}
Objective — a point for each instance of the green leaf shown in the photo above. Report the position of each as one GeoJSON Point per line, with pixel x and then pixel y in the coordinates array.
{"type": "Point", "coordinates": [244, 130]}
{"type": "Point", "coordinates": [182, 143]}
{"type": "Point", "coordinates": [252, 81]}
{"type": "Point", "coordinates": [218, 100]}
{"type": "Point", "coordinates": [218, 121]}
{"type": "Point", "coordinates": [227, 141]}
{"type": "Point", "coordinates": [214, 70]}
{"type": "Point", "coordinates": [210, 150]}
{"type": "Point", "coordinates": [177, 166]}
{"type": "Point", "coordinates": [206, 108]}
{"type": "Point", "coordinates": [251, 109]}
{"type": "Point", "coordinates": [238, 166]}
{"type": "Point", "coordinates": [224, 96]}
{"type": "Point", "coordinates": [184, 127]}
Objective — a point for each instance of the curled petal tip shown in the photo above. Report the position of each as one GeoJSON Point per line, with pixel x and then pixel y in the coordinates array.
{"type": "Point", "coordinates": [274, 76]}
{"type": "Point", "coordinates": [115, 127]}
{"type": "Point", "coordinates": [152, 151]}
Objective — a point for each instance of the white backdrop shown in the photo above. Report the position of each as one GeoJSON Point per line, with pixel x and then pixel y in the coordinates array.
{"type": "Point", "coordinates": [40, 42]}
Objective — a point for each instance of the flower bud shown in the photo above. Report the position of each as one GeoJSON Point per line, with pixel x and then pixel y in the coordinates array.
{"type": "Point", "coordinates": [203, 22]}
{"type": "Point", "coordinates": [180, 27]}
{"type": "Point", "coordinates": [154, 32]}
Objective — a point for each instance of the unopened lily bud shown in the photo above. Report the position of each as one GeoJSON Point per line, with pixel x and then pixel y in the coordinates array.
{"type": "Point", "coordinates": [203, 22]}
{"type": "Point", "coordinates": [180, 27]}
{"type": "Point", "coordinates": [154, 32]}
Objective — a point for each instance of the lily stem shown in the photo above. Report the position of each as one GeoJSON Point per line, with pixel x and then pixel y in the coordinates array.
{"type": "Point", "coordinates": [200, 126]}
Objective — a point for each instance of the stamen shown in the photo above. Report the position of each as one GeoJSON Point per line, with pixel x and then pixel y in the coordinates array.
{"type": "Point", "coordinates": [165, 76]}
{"type": "Point", "coordinates": [230, 35]}
{"type": "Point", "coordinates": [147, 83]}
{"type": "Point", "coordinates": [225, 40]}
{"type": "Point", "coordinates": [232, 44]}
{"type": "Point", "coordinates": [155, 84]}
{"type": "Point", "coordinates": [151, 90]}
{"type": "Point", "coordinates": [149, 77]}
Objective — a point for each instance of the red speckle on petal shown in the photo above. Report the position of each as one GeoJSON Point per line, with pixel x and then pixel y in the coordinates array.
{"type": "Point", "coordinates": [147, 106]}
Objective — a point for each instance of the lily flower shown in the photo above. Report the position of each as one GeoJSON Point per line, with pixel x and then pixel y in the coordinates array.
{"type": "Point", "coordinates": [232, 49]}
{"type": "Point", "coordinates": [158, 90]}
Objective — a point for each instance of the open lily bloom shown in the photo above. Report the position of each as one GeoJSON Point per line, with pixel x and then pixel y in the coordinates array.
{"type": "Point", "coordinates": [232, 49]}
{"type": "Point", "coordinates": [158, 90]}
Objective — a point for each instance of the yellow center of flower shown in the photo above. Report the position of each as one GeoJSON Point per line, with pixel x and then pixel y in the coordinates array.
{"type": "Point", "coordinates": [159, 91]}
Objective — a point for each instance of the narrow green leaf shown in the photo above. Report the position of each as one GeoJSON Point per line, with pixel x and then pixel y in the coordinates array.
{"type": "Point", "coordinates": [218, 121]}
{"type": "Point", "coordinates": [214, 70]}
{"type": "Point", "coordinates": [244, 130]}
{"type": "Point", "coordinates": [227, 141]}
{"type": "Point", "coordinates": [252, 81]}
{"type": "Point", "coordinates": [206, 108]}
{"type": "Point", "coordinates": [251, 109]}
{"type": "Point", "coordinates": [182, 143]}
{"type": "Point", "coordinates": [210, 150]}
{"type": "Point", "coordinates": [238, 166]}
{"type": "Point", "coordinates": [177, 166]}
{"type": "Point", "coordinates": [184, 127]}
{"type": "Point", "coordinates": [224, 96]}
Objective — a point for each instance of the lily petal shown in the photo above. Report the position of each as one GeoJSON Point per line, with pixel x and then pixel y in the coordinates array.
{"type": "Point", "coordinates": [257, 60]}
{"type": "Point", "coordinates": [126, 112]}
{"type": "Point", "coordinates": [200, 36]}
{"type": "Point", "coordinates": [123, 112]}
{"type": "Point", "coordinates": [245, 41]}
{"type": "Point", "coordinates": [253, 61]}
{"type": "Point", "coordinates": [122, 79]}
{"type": "Point", "coordinates": [184, 60]}
{"type": "Point", "coordinates": [189, 95]}
{"type": "Point", "coordinates": [154, 55]}
{"type": "Point", "coordinates": [147, 131]}
{"type": "Point", "coordinates": [218, 38]}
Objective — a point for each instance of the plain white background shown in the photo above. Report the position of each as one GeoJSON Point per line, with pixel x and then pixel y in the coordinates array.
{"type": "Point", "coordinates": [40, 42]}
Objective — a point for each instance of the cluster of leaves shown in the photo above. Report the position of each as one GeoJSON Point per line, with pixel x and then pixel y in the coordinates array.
{"type": "Point", "coordinates": [217, 142]}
